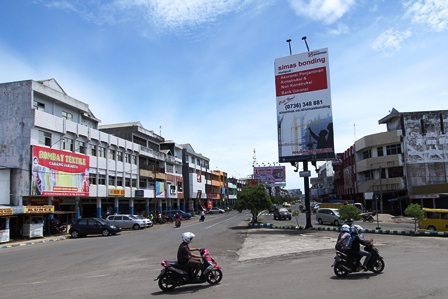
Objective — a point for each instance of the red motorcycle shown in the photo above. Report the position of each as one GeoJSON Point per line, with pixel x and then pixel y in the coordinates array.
{"type": "Point", "coordinates": [173, 274]}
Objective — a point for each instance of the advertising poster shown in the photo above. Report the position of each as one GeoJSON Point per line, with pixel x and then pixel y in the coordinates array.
{"type": "Point", "coordinates": [270, 175]}
{"type": "Point", "coordinates": [160, 189]}
{"type": "Point", "coordinates": [56, 172]}
{"type": "Point", "coordinates": [303, 100]}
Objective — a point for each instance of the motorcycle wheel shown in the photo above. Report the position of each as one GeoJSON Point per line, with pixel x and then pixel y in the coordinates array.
{"type": "Point", "coordinates": [339, 270]}
{"type": "Point", "coordinates": [378, 266]}
{"type": "Point", "coordinates": [214, 276]}
{"type": "Point", "coordinates": [166, 282]}
{"type": "Point", "coordinates": [371, 220]}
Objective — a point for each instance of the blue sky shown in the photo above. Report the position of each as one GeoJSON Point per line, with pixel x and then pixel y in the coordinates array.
{"type": "Point", "coordinates": [203, 70]}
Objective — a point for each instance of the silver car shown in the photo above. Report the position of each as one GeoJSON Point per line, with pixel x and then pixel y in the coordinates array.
{"type": "Point", "coordinates": [328, 215]}
{"type": "Point", "coordinates": [126, 221]}
{"type": "Point", "coordinates": [148, 223]}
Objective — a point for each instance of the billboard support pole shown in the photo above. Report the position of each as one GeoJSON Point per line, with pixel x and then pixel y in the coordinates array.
{"type": "Point", "coordinates": [306, 183]}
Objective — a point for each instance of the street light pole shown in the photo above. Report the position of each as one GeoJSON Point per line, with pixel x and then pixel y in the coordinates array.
{"type": "Point", "coordinates": [289, 42]}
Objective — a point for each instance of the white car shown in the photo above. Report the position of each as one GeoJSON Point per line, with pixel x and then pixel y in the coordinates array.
{"type": "Point", "coordinates": [215, 210]}
{"type": "Point", "coordinates": [147, 221]}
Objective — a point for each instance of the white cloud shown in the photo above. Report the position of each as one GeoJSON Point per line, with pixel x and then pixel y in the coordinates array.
{"type": "Point", "coordinates": [328, 11]}
{"type": "Point", "coordinates": [390, 41]}
{"type": "Point", "coordinates": [160, 15]}
{"type": "Point", "coordinates": [434, 13]}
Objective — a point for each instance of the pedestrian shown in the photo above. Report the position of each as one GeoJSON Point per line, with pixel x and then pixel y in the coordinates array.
{"type": "Point", "coordinates": [202, 216]}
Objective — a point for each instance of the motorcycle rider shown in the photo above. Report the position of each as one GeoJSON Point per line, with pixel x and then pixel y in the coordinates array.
{"type": "Point", "coordinates": [343, 238]}
{"type": "Point", "coordinates": [185, 257]}
{"type": "Point", "coordinates": [356, 249]}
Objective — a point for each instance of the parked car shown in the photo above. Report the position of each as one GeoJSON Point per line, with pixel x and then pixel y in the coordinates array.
{"type": "Point", "coordinates": [328, 215]}
{"type": "Point", "coordinates": [215, 210]}
{"type": "Point", "coordinates": [126, 221]}
{"type": "Point", "coordinates": [90, 226]}
{"type": "Point", "coordinates": [172, 213]}
{"type": "Point", "coordinates": [148, 223]}
{"type": "Point", "coordinates": [282, 213]}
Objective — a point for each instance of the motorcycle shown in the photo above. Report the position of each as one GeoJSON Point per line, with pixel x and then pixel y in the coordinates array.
{"type": "Point", "coordinates": [367, 218]}
{"type": "Point", "coordinates": [344, 264]}
{"type": "Point", "coordinates": [160, 220]}
{"type": "Point", "coordinates": [173, 274]}
{"type": "Point", "coordinates": [178, 220]}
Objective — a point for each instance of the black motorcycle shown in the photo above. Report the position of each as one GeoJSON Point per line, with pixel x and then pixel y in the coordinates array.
{"type": "Point", "coordinates": [344, 264]}
{"type": "Point", "coordinates": [367, 218]}
{"type": "Point", "coordinates": [173, 274]}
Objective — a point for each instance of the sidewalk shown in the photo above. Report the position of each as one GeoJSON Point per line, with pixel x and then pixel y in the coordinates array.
{"type": "Point", "coordinates": [24, 242]}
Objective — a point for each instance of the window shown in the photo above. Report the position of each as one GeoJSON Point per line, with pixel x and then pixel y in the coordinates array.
{"type": "Point", "coordinates": [111, 154]}
{"type": "Point", "coordinates": [44, 138]}
{"type": "Point", "coordinates": [179, 186]}
{"type": "Point", "coordinates": [134, 183]}
{"type": "Point", "coordinates": [101, 152]}
{"type": "Point", "coordinates": [111, 180]}
{"type": "Point", "coordinates": [134, 159]}
{"type": "Point", "coordinates": [141, 183]}
{"type": "Point", "coordinates": [119, 181]}
{"type": "Point", "coordinates": [379, 151]}
{"type": "Point", "coordinates": [81, 147]}
{"type": "Point", "coordinates": [67, 144]}
{"type": "Point", "coordinates": [38, 105]}
{"type": "Point", "coordinates": [367, 154]}
{"type": "Point", "coordinates": [102, 179]}
{"type": "Point", "coordinates": [120, 156]}
{"type": "Point", "coordinates": [127, 182]}
{"type": "Point", "coordinates": [127, 158]}
{"type": "Point", "coordinates": [93, 150]}
{"type": "Point", "coordinates": [67, 115]}
{"type": "Point", "coordinates": [367, 175]}
{"type": "Point", "coordinates": [393, 149]}
{"type": "Point", "coordinates": [92, 178]}
{"type": "Point", "coordinates": [395, 172]}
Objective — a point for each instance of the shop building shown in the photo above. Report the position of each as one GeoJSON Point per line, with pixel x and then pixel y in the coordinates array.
{"type": "Point", "coordinates": [54, 155]}
{"type": "Point", "coordinates": [160, 168]}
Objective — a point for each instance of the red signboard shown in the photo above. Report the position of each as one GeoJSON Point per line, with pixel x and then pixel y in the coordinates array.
{"type": "Point", "coordinates": [56, 172]}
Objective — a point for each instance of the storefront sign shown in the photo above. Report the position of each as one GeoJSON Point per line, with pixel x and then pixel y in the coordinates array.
{"type": "Point", "coordinates": [116, 192]}
{"type": "Point", "coordinates": [5, 211]}
{"type": "Point", "coordinates": [38, 209]}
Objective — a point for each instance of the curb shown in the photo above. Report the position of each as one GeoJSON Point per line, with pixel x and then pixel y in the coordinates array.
{"type": "Point", "coordinates": [37, 241]}
{"type": "Point", "coordinates": [370, 231]}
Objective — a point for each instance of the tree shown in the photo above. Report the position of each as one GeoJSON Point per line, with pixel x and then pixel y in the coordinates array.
{"type": "Point", "coordinates": [414, 211]}
{"type": "Point", "coordinates": [348, 212]}
{"type": "Point", "coordinates": [255, 199]}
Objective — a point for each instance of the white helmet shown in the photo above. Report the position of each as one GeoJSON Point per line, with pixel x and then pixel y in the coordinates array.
{"type": "Point", "coordinates": [345, 228]}
{"type": "Point", "coordinates": [357, 228]}
{"type": "Point", "coordinates": [187, 237]}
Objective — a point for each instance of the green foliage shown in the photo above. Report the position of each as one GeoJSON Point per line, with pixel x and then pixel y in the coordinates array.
{"type": "Point", "coordinates": [414, 211]}
{"type": "Point", "coordinates": [295, 214]}
{"type": "Point", "coordinates": [348, 212]}
{"type": "Point", "coordinates": [255, 199]}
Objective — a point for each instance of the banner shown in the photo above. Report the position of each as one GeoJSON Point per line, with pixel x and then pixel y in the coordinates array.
{"type": "Point", "coordinates": [270, 175]}
{"type": "Point", "coordinates": [56, 172]}
{"type": "Point", "coordinates": [304, 117]}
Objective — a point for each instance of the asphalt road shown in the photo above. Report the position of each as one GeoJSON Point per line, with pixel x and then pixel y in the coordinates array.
{"type": "Point", "coordinates": [257, 263]}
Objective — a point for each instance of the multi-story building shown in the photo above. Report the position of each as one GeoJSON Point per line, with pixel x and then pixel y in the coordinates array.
{"type": "Point", "coordinates": [425, 155]}
{"type": "Point", "coordinates": [160, 171]}
{"type": "Point", "coordinates": [55, 160]}
{"type": "Point", "coordinates": [379, 168]}
{"type": "Point", "coordinates": [345, 176]}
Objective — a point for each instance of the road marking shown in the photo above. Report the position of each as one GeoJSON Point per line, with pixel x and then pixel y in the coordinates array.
{"type": "Point", "coordinates": [96, 276]}
{"type": "Point", "coordinates": [220, 222]}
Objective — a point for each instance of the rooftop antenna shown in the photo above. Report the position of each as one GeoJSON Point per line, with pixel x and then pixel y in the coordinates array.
{"type": "Point", "coordinates": [304, 39]}
{"type": "Point", "coordinates": [289, 42]}
{"type": "Point", "coordinates": [254, 161]}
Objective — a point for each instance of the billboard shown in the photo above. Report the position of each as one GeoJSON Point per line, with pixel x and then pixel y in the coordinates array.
{"type": "Point", "coordinates": [303, 100]}
{"type": "Point", "coordinates": [270, 175]}
{"type": "Point", "coordinates": [56, 172]}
